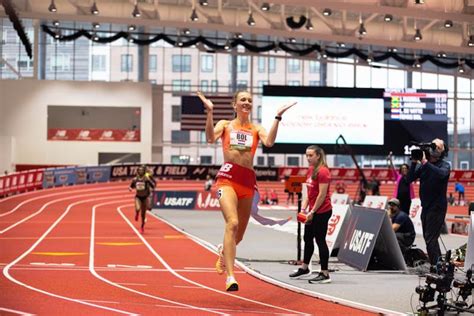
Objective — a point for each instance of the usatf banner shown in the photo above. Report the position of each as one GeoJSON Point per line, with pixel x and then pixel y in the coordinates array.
{"type": "Point", "coordinates": [93, 134]}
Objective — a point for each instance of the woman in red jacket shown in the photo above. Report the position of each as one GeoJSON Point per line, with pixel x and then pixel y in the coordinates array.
{"type": "Point", "coordinates": [318, 204]}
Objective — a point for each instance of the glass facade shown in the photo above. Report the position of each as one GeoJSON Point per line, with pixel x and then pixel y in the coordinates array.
{"type": "Point", "coordinates": [180, 70]}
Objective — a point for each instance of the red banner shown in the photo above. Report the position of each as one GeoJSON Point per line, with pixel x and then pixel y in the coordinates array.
{"type": "Point", "coordinates": [207, 201]}
{"type": "Point", "coordinates": [21, 182]}
{"type": "Point", "coordinates": [352, 174]}
{"type": "Point", "coordinates": [94, 134]}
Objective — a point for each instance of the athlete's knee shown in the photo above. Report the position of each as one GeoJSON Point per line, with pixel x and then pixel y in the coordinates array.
{"type": "Point", "coordinates": [232, 225]}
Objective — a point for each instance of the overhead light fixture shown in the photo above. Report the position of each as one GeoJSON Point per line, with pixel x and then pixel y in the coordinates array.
{"type": "Point", "coordinates": [194, 17]}
{"type": "Point", "coordinates": [52, 7]}
{"type": "Point", "coordinates": [227, 45]}
{"type": "Point", "coordinates": [130, 38]}
{"type": "Point", "coordinates": [132, 27]}
{"type": "Point", "coordinates": [309, 25]}
{"type": "Point", "coordinates": [136, 12]}
{"type": "Point", "coordinates": [419, 1]}
{"type": "Point", "coordinates": [327, 12]}
{"type": "Point", "coordinates": [265, 6]}
{"type": "Point", "coordinates": [251, 20]}
{"type": "Point", "coordinates": [448, 24]}
{"type": "Point", "coordinates": [441, 54]}
{"type": "Point", "coordinates": [392, 49]}
{"type": "Point", "coordinates": [56, 23]}
{"type": "Point", "coordinates": [341, 44]}
{"type": "Point", "coordinates": [292, 40]}
{"type": "Point", "coordinates": [470, 43]}
{"type": "Point", "coordinates": [362, 29]}
{"type": "Point", "coordinates": [179, 42]}
{"type": "Point", "coordinates": [416, 64]}
{"type": "Point", "coordinates": [238, 35]}
{"type": "Point", "coordinates": [95, 25]}
{"type": "Point", "coordinates": [204, 3]}
{"type": "Point", "coordinates": [57, 34]}
{"type": "Point", "coordinates": [388, 18]}
{"type": "Point", "coordinates": [94, 9]}
{"type": "Point", "coordinates": [461, 69]}
{"type": "Point", "coordinates": [417, 36]}
{"type": "Point", "coordinates": [95, 37]}
{"type": "Point", "coordinates": [370, 58]}
{"type": "Point", "coordinates": [186, 31]}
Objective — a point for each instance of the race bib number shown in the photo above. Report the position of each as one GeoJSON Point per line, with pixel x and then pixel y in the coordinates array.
{"type": "Point", "coordinates": [140, 186]}
{"type": "Point", "coordinates": [241, 140]}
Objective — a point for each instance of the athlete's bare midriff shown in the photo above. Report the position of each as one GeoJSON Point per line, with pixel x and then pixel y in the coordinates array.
{"type": "Point", "coordinates": [244, 159]}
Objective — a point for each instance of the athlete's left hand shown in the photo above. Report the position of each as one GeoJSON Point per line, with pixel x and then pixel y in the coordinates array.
{"type": "Point", "coordinates": [284, 108]}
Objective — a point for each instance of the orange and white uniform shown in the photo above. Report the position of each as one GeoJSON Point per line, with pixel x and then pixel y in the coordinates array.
{"type": "Point", "coordinates": [243, 138]}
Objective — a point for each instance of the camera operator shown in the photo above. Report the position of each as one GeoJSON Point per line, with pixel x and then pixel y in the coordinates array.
{"type": "Point", "coordinates": [433, 173]}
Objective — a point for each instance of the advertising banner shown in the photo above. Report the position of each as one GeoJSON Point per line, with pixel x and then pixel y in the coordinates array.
{"type": "Point", "coordinates": [81, 175]}
{"type": "Point", "coordinates": [98, 174]}
{"type": "Point", "coordinates": [182, 200]}
{"type": "Point", "coordinates": [2, 185]}
{"type": "Point", "coordinates": [207, 201]}
{"type": "Point", "coordinates": [339, 199]}
{"type": "Point", "coordinates": [93, 134]}
{"type": "Point", "coordinates": [48, 178]}
{"type": "Point", "coordinates": [64, 176]}
{"type": "Point", "coordinates": [415, 215]}
{"type": "Point", "coordinates": [340, 213]}
{"type": "Point", "coordinates": [375, 201]}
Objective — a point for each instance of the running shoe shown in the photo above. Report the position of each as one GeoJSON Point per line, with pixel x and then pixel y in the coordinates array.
{"type": "Point", "coordinates": [142, 230]}
{"type": "Point", "coordinates": [321, 278]}
{"type": "Point", "coordinates": [220, 263]}
{"type": "Point", "coordinates": [136, 216]}
{"type": "Point", "coordinates": [300, 273]}
{"type": "Point", "coordinates": [231, 284]}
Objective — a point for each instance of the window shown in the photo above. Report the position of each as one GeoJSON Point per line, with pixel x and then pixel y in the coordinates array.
{"type": "Point", "coordinates": [98, 63]}
{"type": "Point", "coordinates": [313, 66]}
{"type": "Point", "coordinates": [293, 161]}
{"type": "Point", "coordinates": [175, 113]}
{"type": "Point", "coordinates": [271, 161]}
{"type": "Point", "coordinates": [294, 82]}
{"type": "Point", "coordinates": [242, 84]}
{"type": "Point", "coordinates": [180, 137]}
{"type": "Point", "coordinates": [206, 160]}
{"type": "Point", "coordinates": [242, 63]}
{"type": "Point", "coordinates": [61, 62]}
{"type": "Point", "coordinates": [181, 63]}
{"type": "Point", "coordinates": [126, 63]}
{"type": "Point", "coordinates": [204, 85]}
{"type": "Point", "coordinates": [180, 159]}
{"type": "Point", "coordinates": [271, 65]}
{"type": "Point", "coordinates": [24, 63]}
{"type": "Point", "coordinates": [314, 83]}
{"type": "Point", "coordinates": [293, 65]}
{"type": "Point", "coordinates": [262, 83]}
{"type": "Point", "coordinates": [207, 63]}
{"type": "Point", "coordinates": [261, 64]}
{"type": "Point", "coordinates": [153, 64]}
{"type": "Point", "coordinates": [181, 85]}
{"type": "Point", "coordinates": [260, 161]}
{"type": "Point", "coordinates": [214, 86]}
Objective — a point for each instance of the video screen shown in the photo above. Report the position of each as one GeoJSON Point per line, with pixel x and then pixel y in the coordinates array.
{"type": "Point", "coordinates": [372, 121]}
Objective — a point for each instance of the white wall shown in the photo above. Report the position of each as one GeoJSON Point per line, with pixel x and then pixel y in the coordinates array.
{"type": "Point", "coordinates": [23, 117]}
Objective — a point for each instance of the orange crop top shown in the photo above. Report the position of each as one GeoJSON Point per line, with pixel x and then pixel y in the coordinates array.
{"type": "Point", "coordinates": [238, 137]}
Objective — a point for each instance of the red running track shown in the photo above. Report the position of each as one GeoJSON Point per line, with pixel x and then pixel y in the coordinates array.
{"type": "Point", "coordinates": [77, 251]}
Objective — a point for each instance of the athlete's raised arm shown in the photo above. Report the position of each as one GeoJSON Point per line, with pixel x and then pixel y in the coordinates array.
{"type": "Point", "coordinates": [268, 139]}
{"type": "Point", "coordinates": [212, 132]}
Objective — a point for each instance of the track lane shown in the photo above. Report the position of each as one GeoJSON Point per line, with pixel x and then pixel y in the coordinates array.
{"type": "Point", "coordinates": [57, 280]}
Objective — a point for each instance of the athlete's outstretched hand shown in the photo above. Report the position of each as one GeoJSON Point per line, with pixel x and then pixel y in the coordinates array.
{"type": "Point", "coordinates": [285, 107]}
{"type": "Point", "coordinates": [207, 103]}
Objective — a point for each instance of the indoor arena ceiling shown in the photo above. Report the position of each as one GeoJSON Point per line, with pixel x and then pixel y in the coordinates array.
{"type": "Point", "coordinates": [444, 25]}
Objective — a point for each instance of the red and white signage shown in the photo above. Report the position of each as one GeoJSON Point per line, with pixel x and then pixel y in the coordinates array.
{"type": "Point", "coordinates": [21, 181]}
{"type": "Point", "coordinates": [375, 201]}
{"type": "Point", "coordinates": [415, 215]}
{"type": "Point", "coordinates": [207, 201]}
{"type": "Point", "coordinates": [93, 134]}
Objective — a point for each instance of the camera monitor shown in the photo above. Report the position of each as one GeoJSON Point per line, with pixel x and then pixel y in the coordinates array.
{"type": "Point", "coordinates": [372, 121]}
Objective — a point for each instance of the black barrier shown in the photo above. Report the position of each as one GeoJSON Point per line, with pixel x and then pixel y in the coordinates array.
{"type": "Point", "coordinates": [370, 239]}
{"type": "Point", "coordinates": [174, 200]}
{"type": "Point", "coordinates": [189, 172]}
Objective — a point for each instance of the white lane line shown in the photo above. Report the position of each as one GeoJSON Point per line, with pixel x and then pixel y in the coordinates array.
{"type": "Point", "coordinates": [8, 310]}
{"type": "Point", "coordinates": [52, 264]}
{"type": "Point", "coordinates": [135, 284]}
{"type": "Point", "coordinates": [92, 270]}
{"type": "Point", "coordinates": [167, 266]}
{"type": "Point", "coordinates": [6, 269]}
{"type": "Point", "coordinates": [81, 190]}
{"type": "Point", "coordinates": [110, 191]}
{"type": "Point", "coordinates": [318, 295]}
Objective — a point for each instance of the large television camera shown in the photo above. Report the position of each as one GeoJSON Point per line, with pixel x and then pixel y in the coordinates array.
{"type": "Point", "coordinates": [417, 152]}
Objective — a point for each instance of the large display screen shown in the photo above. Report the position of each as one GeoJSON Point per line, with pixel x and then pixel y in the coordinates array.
{"type": "Point", "coordinates": [372, 121]}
